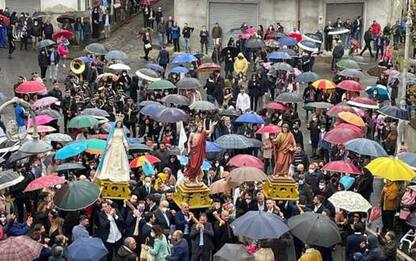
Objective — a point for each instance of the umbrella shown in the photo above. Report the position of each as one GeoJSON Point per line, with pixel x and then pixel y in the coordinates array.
{"type": "Point", "coordinates": [395, 112]}
{"type": "Point", "coordinates": [409, 158]}
{"type": "Point", "coordinates": [350, 85]}
{"type": "Point", "coordinates": [276, 106]}
{"type": "Point", "coordinates": [251, 118]}
{"type": "Point", "coordinates": [287, 41]}
{"type": "Point", "coordinates": [21, 248]}
{"type": "Point", "coordinates": [340, 107]}
{"type": "Point", "coordinates": [319, 105]}
{"type": "Point", "coordinates": [220, 186]}
{"type": "Point", "coordinates": [348, 64]}
{"type": "Point", "coordinates": [307, 45]}
{"type": "Point", "coordinates": [337, 31]}
{"type": "Point", "coordinates": [312, 37]}
{"type": "Point", "coordinates": [341, 166]}
{"type": "Point", "coordinates": [53, 113]}
{"type": "Point", "coordinates": [323, 84]}
{"type": "Point", "coordinates": [255, 43]}
{"type": "Point", "coordinates": [45, 102]}
{"type": "Point", "coordinates": [86, 249]}
{"type": "Point", "coordinates": [152, 109]}
{"type": "Point", "coordinates": [366, 147]}
{"type": "Point", "coordinates": [171, 115]}
{"type": "Point", "coordinates": [295, 35]}
{"type": "Point", "coordinates": [9, 178]}
{"type": "Point", "coordinates": [282, 67]}
{"type": "Point", "coordinates": [289, 97]}
{"type": "Point", "coordinates": [95, 112]}
{"type": "Point", "coordinates": [255, 143]}
{"type": "Point", "coordinates": [245, 160]}
{"type": "Point", "coordinates": [246, 174]}
{"type": "Point", "coordinates": [259, 225]}
{"type": "Point", "coordinates": [184, 58]}
{"type": "Point", "coordinates": [271, 43]}
{"type": "Point", "coordinates": [347, 181]}
{"type": "Point", "coordinates": [212, 147]}
{"type": "Point", "coordinates": [203, 106]}
{"type": "Point", "coordinates": [307, 77]}
{"type": "Point", "coordinates": [18, 155]}
{"type": "Point", "coordinates": [70, 150]}
{"type": "Point", "coordinates": [45, 43]}
{"type": "Point", "coordinates": [62, 33]}
{"type": "Point", "coordinates": [341, 135]}
{"type": "Point", "coordinates": [381, 90]}
{"type": "Point", "coordinates": [230, 112]}
{"type": "Point", "coordinates": [314, 229]}
{"type": "Point", "coordinates": [155, 67]}
{"type": "Point", "coordinates": [350, 126]}
{"type": "Point", "coordinates": [175, 99]}
{"type": "Point", "coordinates": [289, 52]}
{"type": "Point", "coordinates": [278, 56]}
{"type": "Point", "coordinates": [76, 195]}
{"type": "Point", "coordinates": [64, 19]}
{"type": "Point", "coordinates": [69, 167]}
{"type": "Point", "coordinates": [233, 51]}
{"type": "Point", "coordinates": [269, 129]}
{"type": "Point", "coordinates": [363, 102]}
{"type": "Point", "coordinates": [95, 146]}
{"type": "Point", "coordinates": [44, 182]}
{"type": "Point", "coordinates": [161, 85]}
{"type": "Point", "coordinates": [31, 87]}
{"type": "Point", "coordinates": [179, 70]}
{"type": "Point", "coordinates": [57, 137]}
{"type": "Point", "coordinates": [351, 118]}
{"type": "Point", "coordinates": [40, 120]}
{"type": "Point", "coordinates": [41, 129]}
{"type": "Point", "coordinates": [148, 75]}
{"type": "Point", "coordinates": [188, 83]}
{"type": "Point", "coordinates": [86, 59]}
{"type": "Point", "coordinates": [138, 147]}
{"type": "Point", "coordinates": [208, 67]}
{"type": "Point", "coordinates": [119, 67]}
{"type": "Point", "coordinates": [391, 169]}
{"type": "Point", "coordinates": [115, 55]}
{"type": "Point", "coordinates": [5, 20]}
{"type": "Point", "coordinates": [233, 141]}
{"type": "Point", "coordinates": [351, 73]}
{"type": "Point", "coordinates": [82, 121]}
{"type": "Point", "coordinates": [105, 76]}
{"type": "Point", "coordinates": [96, 48]}
{"type": "Point", "coordinates": [138, 162]}
{"type": "Point", "coordinates": [349, 201]}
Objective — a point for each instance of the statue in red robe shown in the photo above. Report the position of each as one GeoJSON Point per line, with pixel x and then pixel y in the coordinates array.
{"type": "Point", "coordinates": [284, 148]}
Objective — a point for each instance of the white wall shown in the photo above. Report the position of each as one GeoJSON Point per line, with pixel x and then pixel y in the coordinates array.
{"type": "Point", "coordinates": [2, 4]}
{"type": "Point", "coordinates": [59, 6]}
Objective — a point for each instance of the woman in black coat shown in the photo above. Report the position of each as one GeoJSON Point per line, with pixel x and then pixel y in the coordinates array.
{"type": "Point", "coordinates": [43, 61]}
{"type": "Point", "coordinates": [134, 86]}
{"type": "Point", "coordinates": [95, 18]}
{"type": "Point", "coordinates": [254, 91]}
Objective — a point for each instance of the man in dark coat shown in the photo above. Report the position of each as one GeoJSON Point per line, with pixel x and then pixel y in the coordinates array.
{"type": "Point", "coordinates": [368, 37]}
{"type": "Point", "coordinates": [355, 242]}
{"type": "Point", "coordinates": [365, 184]}
{"type": "Point", "coordinates": [223, 232]}
{"type": "Point", "coordinates": [337, 54]}
{"type": "Point", "coordinates": [163, 216]}
{"type": "Point", "coordinates": [127, 251]}
{"type": "Point", "coordinates": [202, 236]}
{"type": "Point", "coordinates": [328, 37]}
{"type": "Point", "coordinates": [48, 30]}
{"type": "Point", "coordinates": [163, 58]}
{"type": "Point", "coordinates": [43, 61]}
{"type": "Point", "coordinates": [180, 249]}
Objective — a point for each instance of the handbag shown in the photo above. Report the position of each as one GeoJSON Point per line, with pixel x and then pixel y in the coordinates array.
{"type": "Point", "coordinates": [148, 46]}
{"type": "Point", "coordinates": [145, 253]}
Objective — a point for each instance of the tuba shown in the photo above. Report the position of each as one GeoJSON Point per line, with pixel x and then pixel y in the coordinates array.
{"type": "Point", "coordinates": [78, 67]}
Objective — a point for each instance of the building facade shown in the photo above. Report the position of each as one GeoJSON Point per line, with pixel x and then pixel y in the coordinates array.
{"type": "Point", "coordinates": [50, 6]}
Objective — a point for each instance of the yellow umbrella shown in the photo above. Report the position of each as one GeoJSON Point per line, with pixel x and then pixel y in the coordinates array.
{"type": "Point", "coordinates": [352, 118]}
{"type": "Point", "coordinates": [391, 168]}
{"type": "Point", "coordinates": [323, 84]}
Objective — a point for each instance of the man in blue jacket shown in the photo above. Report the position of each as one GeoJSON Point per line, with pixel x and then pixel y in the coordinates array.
{"type": "Point", "coordinates": [180, 250]}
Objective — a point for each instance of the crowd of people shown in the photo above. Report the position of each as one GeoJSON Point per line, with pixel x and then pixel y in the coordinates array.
{"type": "Point", "coordinates": [150, 222]}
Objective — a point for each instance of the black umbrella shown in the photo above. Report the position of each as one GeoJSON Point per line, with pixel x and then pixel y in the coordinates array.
{"type": "Point", "coordinates": [69, 166]}
{"type": "Point", "coordinates": [9, 178]}
{"type": "Point", "coordinates": [188, 83]}
{"type": "Point", "coordinates": [289, 97]}
{"type": "Point", "coordinates": [314, 229]}
{"type": "Point", "coordinates": [231, 49]}
{"type": "Point", "coordinates": [176, 99]}
{"type": "Point", "coordinates": [231, 112]}
{"type": "Point", "coordinates": [232, 252]}
{"type": "Point", "coordinates": [138, 147]}
{"type": "Point", "coordinates": [96, 48]}
{"type": "Point", "coordinates": [255, 43]}
{"type": "Point", "coordinates": [65, 19]}
{"type": "Point", "coordinates": [18, 155]}
{"type": "Point", "coordinates": [395, 112]}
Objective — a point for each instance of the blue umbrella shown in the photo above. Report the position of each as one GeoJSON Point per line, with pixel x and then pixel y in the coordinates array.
{"type": "Point", "coordinates": [381, 90]}
{"type": "Point", "coordinates": [409, 158]}
{"type": "Point", "coordinates": [184, 58]}
{"type": "Point", "coordinates": [70, 150]}
{"type": "Point", "coordinates": [250, 118]}
{"type": "Point", "coordinates": [152, 109]}
{"type": "Point", "coordinates": [115, 55]}
{"type": "Point", "coordinates": [171, 115]}
{"type": "Point", "coordinates": [155, 67]}
{"type": "Point", "coordinates": [395, 112]}
{"type": "Point", "coordinates": [86, 59]}
{"type": "Point", "coordinates": [288, 41]}
{"type": "Point", "coordinates": [347, 182]}
{"type": "Point", "coordinates": [86, 249]}
{"type": "Point", "coordinates": [213, 147]}
{"type": "Point", "coordinates": [259, 225]}
{"type": "Point", "coordinates": [307, 77]}
{"type": "Point", "coordinates": [179, 69]}
{"type": "Point", "coordinates": [366, 147]}
{"type": "Point", "coordinates": [278, 56]}
{"type": "Point", "coordinates": [234, 141]}
{"type": "Point", "coordinates": [144, 103]}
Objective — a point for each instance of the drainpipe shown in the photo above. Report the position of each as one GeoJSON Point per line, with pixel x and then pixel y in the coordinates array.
{"type": "Point", "coordinates": [298, 14]}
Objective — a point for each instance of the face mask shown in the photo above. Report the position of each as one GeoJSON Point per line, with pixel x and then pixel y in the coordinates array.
{"type": "Point", "coordinates": [164, 209]}
{"type": "Point", "coordinates": [311, 171]}
{"type": "Point", "coordinates": [147, 184]}
{"type": "Point", "coordinates": [248, 201]}
{"type": "Point", "coordinates": [321, 186]}
{"type": "Point", "coordinates": [152, 234]}
{"type": "Point", "coordinates": [217, 164]}
{"type": "Point", "coordinates": [2, 220]}
{"type": "Point", "coordinates": [322, 130]}
{"type": "Point", "coordinates": [314, 119]}
{"type": "Point", "coordinates": [300, 182]}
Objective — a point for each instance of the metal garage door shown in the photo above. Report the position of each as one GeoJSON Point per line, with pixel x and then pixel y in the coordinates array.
{"type": "Point", "coordinates": [344, 11]}
{"type": "Point", "coordinates": [232, 15]}
{"type": "Point", "coordinates": [27, 6]}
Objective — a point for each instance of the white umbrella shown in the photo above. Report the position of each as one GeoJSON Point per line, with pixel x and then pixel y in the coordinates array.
{"type": "Point", "coordinates": [58, 137]}
{"type": "Point", "coordinates": [119, 67]}
{"type": "Point", "coordinates": [45, 102]}
{"type": "Point", "coordinates": [349, 201]}
{"type": "Point", "coordinates": [148, 75]}
{"type": "Point", "coordinates": [339, 31]}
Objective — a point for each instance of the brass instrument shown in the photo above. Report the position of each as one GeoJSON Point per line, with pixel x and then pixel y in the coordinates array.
{"type": "Point", "coordinates": [136, 226]}
{"type": "Point", "coordinates": [78, 67]}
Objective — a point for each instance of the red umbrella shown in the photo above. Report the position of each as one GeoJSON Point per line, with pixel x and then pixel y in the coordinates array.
{"type": "Point", "coordinates": [350, 85]}
{"type": "Point", "coordinates": [208, 67]}
{"type": "Point", "coordinates": [342, 124]}
{"type": "Point", "coordinates": [363, 102]}
{"type": "Point", "coordinates": [341, 166]}
{"type": "Point", "coordinates": [245, 160]}
{"type": "Point", "coordinates": [63, 33]}
{"type": "Point", "coordinates": [340, 107]}
{"type": "Point", "coordinates": [296, 36]}
{"type": "Point", "coordinates": [44, 182]}
{"type": "Point", "coordinates": [276, 106]}
{"type": "Point", "coordinates": [5, 19]}
{"type": "Point", "coordinates": [31, 87]}
{"type": "Point", "coordinates": [269, 129]}
{"type": "Point", "coordinates": [20, 248]}
{"type": "Point", "coordinates": [340, 134]}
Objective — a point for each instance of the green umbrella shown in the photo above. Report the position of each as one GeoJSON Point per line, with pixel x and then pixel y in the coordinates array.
{"type": "Point", "coordinates": [82, 121]}
{"type": "Point", "coordinates": [348, 64]}
{"type": "Point", "coordinates": [161, 85]}
{"type": "Point", "coordinates": [95, 146]}
{"type": "Point", "coordinates": [76, 195]}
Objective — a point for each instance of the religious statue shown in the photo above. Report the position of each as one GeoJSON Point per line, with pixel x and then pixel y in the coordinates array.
{"type": "Point", "coordinates": [196, 153]}
{"type": "Point", "coordinates": [114, 164]}
{"type": "Point", "coordinates": [284, 148]}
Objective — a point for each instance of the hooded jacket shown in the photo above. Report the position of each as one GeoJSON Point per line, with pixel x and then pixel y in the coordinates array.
{"type": "Point", "coordinates": [241, 64]}
{"type": "Point", "coordinates": [374, 251]}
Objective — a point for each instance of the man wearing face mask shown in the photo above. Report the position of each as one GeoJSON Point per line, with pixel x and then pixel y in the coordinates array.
{"type": "Point", "coordinates": [164, 217]}
{"type": "Point", "coordinates": [146, 189]}
{"type": "Point", "coordinates": [305, 192]}
{"type": "Point", "coordinates": [298, 135]}
{"type": "Point", "coordinates": [313, 177]}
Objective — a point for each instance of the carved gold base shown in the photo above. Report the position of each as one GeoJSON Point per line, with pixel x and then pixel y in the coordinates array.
{"type": "Point", "coordinates": [281, 189]}
{"type": "Point", "coordinates": [114, 190]}
{"type": "Point", "coordinates": [196, 195]}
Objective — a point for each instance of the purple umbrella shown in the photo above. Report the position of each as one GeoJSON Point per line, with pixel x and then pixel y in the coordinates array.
{"type": "Point", "coordinates": [171, 115]}
{"type": "Point", "coordinates": [152, 109]}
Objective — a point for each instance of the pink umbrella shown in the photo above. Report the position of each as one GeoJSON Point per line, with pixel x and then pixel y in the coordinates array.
{"type": "Point", "coordinates": [245, 160]}
{"type": "Point", "coordinates": [40, 120]}
{"type": "Point", "coordinates": [341, 166]}
{"type": "Point", "coordinates": [45, 102]}
{"type": "Point", "coordinates": [297, 71]}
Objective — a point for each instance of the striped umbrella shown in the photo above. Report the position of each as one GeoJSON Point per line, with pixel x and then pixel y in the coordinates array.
{"type": "Point", "coordinates": [323, 84]}
{"type": "Point", "coordinates": [233, 141]}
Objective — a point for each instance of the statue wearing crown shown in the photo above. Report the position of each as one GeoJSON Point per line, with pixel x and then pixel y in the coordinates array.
{"type": "Point", "coordinates": [113, 172]}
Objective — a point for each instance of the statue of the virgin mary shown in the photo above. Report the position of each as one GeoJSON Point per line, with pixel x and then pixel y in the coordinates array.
{"type": "Point", "coordinates": [114, 164]}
